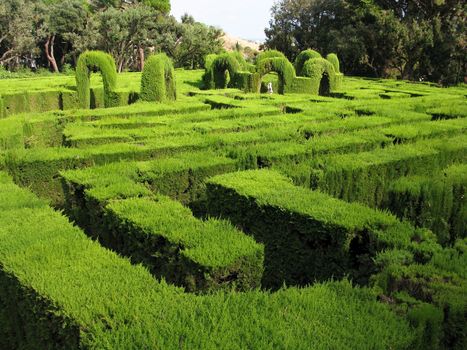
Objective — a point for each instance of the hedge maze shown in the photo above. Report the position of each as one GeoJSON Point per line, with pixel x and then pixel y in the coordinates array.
{"type": "Point", "coordinates": [332, 217]}
{"type": "Point", "coordinates": [310, 73]}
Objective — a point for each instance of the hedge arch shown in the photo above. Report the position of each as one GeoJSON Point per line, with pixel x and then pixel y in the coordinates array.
{"type": "Point", "coordinates": [303, 57]}
{"type": "Point", "coordinates": [323, 75]}
{"type": "Point", "coordinates": [269, 54]}
{"type": "Point", "coordinates": [95, 60]}
{"type": "Point", "coordinates": [334, 60]}
{"type": "Point", "coordinates": [282, 67]}
{"type": "Point", "coordinates": [158, 79]}
{"type": "Point", "coordinates": [225, 66]}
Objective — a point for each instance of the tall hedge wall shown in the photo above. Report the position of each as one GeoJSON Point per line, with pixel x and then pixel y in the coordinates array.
{"type": "Point", "coordinates": [334, 60]}
{"type": "Point", "coordinates": [158, 79]}
{"type": "Point", "coordinates": [87, 62]}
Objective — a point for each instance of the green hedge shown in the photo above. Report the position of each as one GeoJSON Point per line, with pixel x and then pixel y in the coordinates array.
{"type": "Point", "coordinates": [322, 74]}
{"type": "Point", "coordinates": [158, 79]}
{"type": "Point", "coordinates": [365, 177]}
{"type": "Point", "coordinates": [307, 235]}
{"type": "Point", "coordinates": [303, 57]}
{"type": "Point", "coordinates": [216, 77]}
{"type": "Point", "coordinates": [87, 62]}
{"type": "Point", "coordinates": [58, 289]}
{"type": "Point", "coordinates": [269, 54]}
{"type": "Point", "coordinates": [282, 67]}
{"type": "Point", "coordinates": [431, 294]}
{"type": "Point", "coordinates": [334, 60]}
{"type": "Point", "coordinates": [438, 203]}
{"type": "Point", "coordinates": [202, 256]}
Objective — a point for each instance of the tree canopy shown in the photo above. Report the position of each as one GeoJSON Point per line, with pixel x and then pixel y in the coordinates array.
{"type": "Point", "coordinates": [419, 40]}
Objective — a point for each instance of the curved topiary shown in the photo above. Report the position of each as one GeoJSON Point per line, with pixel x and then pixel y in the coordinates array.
{"type": "Point", "coordinates": [303, 57]}
{"type": "Point", "coordinates": [282, 67]}
{"type": "Point", "coordinates": [334, 60]}
{"type": "Point", "coordinates": [217, 73]}
{"type": "Point", "coordinates": [323, 75]}
{"type": "Point", "coordinates": [88, 62]}
{"type": "Point", "coordinates": [208, 60]}
{"type": "Point", "coordinates": [158, 79]}
{"type": "Point", "coordinates": [269, 54]}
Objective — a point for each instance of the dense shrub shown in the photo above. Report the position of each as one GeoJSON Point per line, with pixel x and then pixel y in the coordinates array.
{"type": "Point", "coordinates": [303, 57]}
{"type": "Point", "coordinates": [282, 67]}
{"type": "Point", "coordinates": [222, 69]}
{"type": "Point", "coordinates": [322, 74]}
{"type": "Point", "coordinates": [269, 54]}
{"type": "Point", "coordinates": [334, 60]}
{"type": "Point", "coordinates": [158, 79]}
{"type": "Point", "coordinates": [87, 62]}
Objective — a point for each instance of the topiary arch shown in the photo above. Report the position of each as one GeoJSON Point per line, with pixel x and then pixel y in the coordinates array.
{"type": "Point", "coordinates": [303, 57]}
{"type": "Point", "coordinates": [323, 75]}
{"type": "Point", "coordinates": [282, 67]}
{"type": "Point", "coordinates": [158, 79]}
{"type": "Point", "coordinates": [88, 62]}
{"type": "Point", "coordinates": [222, 65]}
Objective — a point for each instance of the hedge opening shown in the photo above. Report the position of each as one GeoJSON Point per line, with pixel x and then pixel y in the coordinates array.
{"type": "Point", "coordinates": [158, 79]}
{"type": "Point", "coordinates": [88, 62]}
{"type": "Point", "coordinates": [282, 67]}
{"type": "Point", "coordinates": [319, 69]}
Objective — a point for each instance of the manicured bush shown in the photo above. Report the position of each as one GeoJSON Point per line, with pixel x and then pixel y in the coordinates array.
{"type": "Point", "coordinates": [268, 54]}
{"type": "Point", "coordinates": [222, 64]}
{"type": "Point", "coordinates": [322, 74]}
{"type": "Point", "coordinates": [438, 202]}
{"type": "Point", "coordinates": [334, 60]}
{"type": "Point", "coordinates": [158, 79]}
{"type": "Point", "coordinates": [87, 62]}
{"type": "Point", "coordinates": [282, 67]}
{"type": "Point", "coordinates": [307, 235]}
{"type": "Point", "coordinates": [58, 289]}
{"type": "Point", "coordinates": [302, 58]}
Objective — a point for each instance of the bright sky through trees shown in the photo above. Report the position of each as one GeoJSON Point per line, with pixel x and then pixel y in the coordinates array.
{"type": "Point", "coordinates": [243, 18]}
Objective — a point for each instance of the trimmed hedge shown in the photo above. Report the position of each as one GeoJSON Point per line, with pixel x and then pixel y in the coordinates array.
{"type": "Point", "coordinates": [438, 203]}
{"type": "Point", "coordinates": [322, 74]}
{"type": "Point", "coordinates": [282, 67]}
{"type": "Point", "coordinates": [433, 295]}
{"type": "Point", "coordinates": [216, 76]}
{"type": "Point", "coordinates": [58, 289]}
{"type": "Point", "coordinates": [365, 177]}
{"type": "Point", "coordinates": [158, 79]}
{"type": "Point", "coordinates": [307, 235]}
{"type": "Point", "coordinates": [334, 60]}
{"type": "Point", "coordinates": [303, 57]}
{"type": "Point", "coordinates": [88, 61]}
{"type": "Point", "coordinates": [202, 256]}
{"type": "Point", "coordinates": [268, 54]}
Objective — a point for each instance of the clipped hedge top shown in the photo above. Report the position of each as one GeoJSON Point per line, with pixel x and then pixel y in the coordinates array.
{"type": "Point", "coordinates": [270, 188]}
{"type": "Point", "coordinates": [211, 243]}
{"type": "Point", "coordinates": [121, 306]}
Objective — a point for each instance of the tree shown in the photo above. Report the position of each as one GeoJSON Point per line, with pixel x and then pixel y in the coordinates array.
{"type": "Point", "coordinates": [18, 36]}
{"type": "Point", "coordinates": [413, 38]}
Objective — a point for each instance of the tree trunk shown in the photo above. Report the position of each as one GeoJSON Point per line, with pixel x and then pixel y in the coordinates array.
{"type": "Point", "coordinates": [49, 51]}
{"type": "Point", "coordinates": [141, 58]}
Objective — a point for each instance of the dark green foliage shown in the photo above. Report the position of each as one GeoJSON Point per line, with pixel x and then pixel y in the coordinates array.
{"type": "Point", "coordinates": [246, 81]}
{"type": "Point", "coordinates": [364, 177]}
{"type": "Point", "coordinates": [334, 60]}
{"type": "Point", "coordinates": [303, 57]}
{"type": "Point", "coordinates": [282, 67]}
{"type": "Point", "coordinates": [158, 79]}
{"type": "Point", "coordinates": [87, 62]}
{"type": "Point", "coordinates": [322, 74]}
{"type": "Point", "coordinates": [307, 235]}
{"type": "Point", "coordinates": [438, 203]}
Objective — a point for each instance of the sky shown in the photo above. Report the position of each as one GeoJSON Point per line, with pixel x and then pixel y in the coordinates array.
{"type": "Point", "coordinates": [242, 18]}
